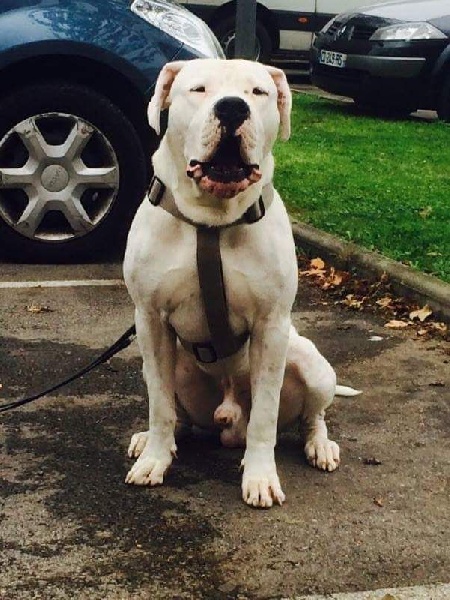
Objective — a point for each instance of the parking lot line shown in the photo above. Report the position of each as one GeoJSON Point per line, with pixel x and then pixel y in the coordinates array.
{"type": "Point", "coordinates": [10, 285]}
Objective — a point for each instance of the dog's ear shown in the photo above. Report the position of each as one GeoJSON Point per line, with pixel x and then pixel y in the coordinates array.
{"type": "Point", "coordinates": [160, 96]}
{"type": "Point", "coordinates": [284, 101]}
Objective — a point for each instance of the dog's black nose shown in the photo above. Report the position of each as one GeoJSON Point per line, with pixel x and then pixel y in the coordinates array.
{"type": "Point", "coordinates": [231, 112]}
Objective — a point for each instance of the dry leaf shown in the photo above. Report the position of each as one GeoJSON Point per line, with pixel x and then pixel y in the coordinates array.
{"type": "Point", "coordinates": [394, 324]}
{"type": "Point", "coordinates": [421, 313]}
{"type": "Point", "coordinates": [317, 263]}
{"type": "Point", "coordinates": [378, 501]}
{"type": "Point", "coordinates": [35, 308]}
{"type": "Point", "coordinates": [384, 302]}
{"type": "Point", "coordinates": [439, 326]}
{"type": "Point", "coordinates": [353, 302]}
{"type": "Point", "coordinates": [335, 278]}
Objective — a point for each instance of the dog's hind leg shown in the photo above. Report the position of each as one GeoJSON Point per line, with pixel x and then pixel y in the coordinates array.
{"type": "Point", "coordinates": [317, 381]}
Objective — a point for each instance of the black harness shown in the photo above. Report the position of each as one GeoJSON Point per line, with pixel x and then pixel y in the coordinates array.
{"type": "Point", "coordinates": [223, 342]}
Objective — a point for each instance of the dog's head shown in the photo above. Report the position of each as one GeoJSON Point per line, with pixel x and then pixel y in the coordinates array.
{"type": "Point", "coordinates": [224, 118]}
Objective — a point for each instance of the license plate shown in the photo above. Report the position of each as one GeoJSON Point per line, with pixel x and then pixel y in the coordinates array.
{"type": "Point", "coordinates": [332, 59]}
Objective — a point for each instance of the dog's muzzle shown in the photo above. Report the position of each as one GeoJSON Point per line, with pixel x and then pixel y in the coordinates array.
{"type": "Point", "coordinates": [226, 174]}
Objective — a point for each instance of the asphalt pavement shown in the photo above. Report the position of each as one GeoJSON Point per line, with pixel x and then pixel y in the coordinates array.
{"type": "Point", "coordinates": [71, 527]}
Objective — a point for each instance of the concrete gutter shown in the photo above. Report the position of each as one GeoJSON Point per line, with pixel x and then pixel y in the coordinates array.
{"type": "Point", "coordinates": [421, 288]}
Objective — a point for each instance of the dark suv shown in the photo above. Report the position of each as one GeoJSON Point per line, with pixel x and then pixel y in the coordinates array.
{"type": "Point", "coordinates": [75, 79]}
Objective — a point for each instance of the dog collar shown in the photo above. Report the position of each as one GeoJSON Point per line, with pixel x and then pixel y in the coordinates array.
{"type": "Point", "coordinates": [223, 341]}
{"type": "Point", "coordinates": [159, 195]}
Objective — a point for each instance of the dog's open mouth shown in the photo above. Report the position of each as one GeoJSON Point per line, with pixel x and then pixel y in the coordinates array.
{"type": "Point", "coordinates": [225, 174]}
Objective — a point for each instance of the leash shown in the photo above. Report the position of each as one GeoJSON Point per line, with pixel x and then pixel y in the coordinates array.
{"type": "Point", "coordinates": [224, 342]}
{"type": "Point", "coordinates": [123, 342]}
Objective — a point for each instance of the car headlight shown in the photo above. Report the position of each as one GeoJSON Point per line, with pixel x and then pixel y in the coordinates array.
{"type": "Point", "coordinates": [327, 25]}
{"type": "Point", "coordinates": [180, 24]}
{"type": "Point", "coordinates": [407, 32]}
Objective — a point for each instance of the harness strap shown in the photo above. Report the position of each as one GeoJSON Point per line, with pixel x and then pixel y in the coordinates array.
{"type": "Point", "coordinates": [224, 342]}
{"type": "Point", "coordinates": [210, 274]}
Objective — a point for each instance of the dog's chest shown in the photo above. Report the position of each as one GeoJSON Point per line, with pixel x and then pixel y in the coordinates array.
{"type": "Point", "coordinates": [258, 261]}
{"type": "Point", "coordinates": [251, 278]}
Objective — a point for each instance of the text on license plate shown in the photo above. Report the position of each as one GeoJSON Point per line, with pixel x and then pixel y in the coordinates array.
{"type": "Point", "coordinates": [332, 59]}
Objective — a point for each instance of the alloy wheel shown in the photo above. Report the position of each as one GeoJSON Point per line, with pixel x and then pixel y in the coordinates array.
{"type": "Point", "coordinates": [59, 177]}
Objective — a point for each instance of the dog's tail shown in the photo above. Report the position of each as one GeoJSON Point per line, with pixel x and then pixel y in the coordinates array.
{"type": "Point", "coordinates": [344, 390]}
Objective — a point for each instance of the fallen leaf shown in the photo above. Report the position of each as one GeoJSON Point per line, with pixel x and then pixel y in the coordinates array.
{"type": "Point", "coordinates": [421, 313]}
{"type": "Point", "coordinates": [384, 302]}
{"type": "Point", "coordinates": [353, 302]}
{"type": "Point", "coordinates": [317, 263]}
{"type": "Point", "coordinates": [394, 324]}
{"type": "Point", "coordinates": [421, 332]}
{"type": "Point", "coordinates": [378, 501]}
{"type": "Point", "coordinates": [439, 326]}
{"type": "Point", "coordinates": [35, 308]}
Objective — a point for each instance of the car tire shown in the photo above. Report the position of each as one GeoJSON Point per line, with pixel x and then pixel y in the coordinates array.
{"type": "Point", "coordinates": [443, 107]}
{"type": "Point", "coordinates": [99, 159]}
{"type": "Point", "coordinates": [225, 31]}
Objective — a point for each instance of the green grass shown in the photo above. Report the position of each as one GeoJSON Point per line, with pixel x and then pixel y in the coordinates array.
{"type": "Point", "coordinates": [384, 184]}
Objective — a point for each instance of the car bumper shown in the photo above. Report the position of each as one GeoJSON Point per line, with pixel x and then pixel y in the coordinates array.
{"type": "Point", "coordinates": [398, 79]}
{"type": "Point", "coordinates": [386, 66]}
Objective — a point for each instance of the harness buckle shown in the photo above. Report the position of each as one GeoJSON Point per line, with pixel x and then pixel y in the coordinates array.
{"type": "Point", "coordinates": [204, 353]}
{"type": "Point", "coordinates": [156, 191]}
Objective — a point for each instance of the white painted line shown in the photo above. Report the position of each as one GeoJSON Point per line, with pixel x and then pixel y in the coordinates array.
{"type": "Point", "coordinates": [440, 591]}
{"type": "Point", "coordinates": [14, 285]}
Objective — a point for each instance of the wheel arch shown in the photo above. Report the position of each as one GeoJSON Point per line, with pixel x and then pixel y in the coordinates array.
{"type": "Point", "coordinates": [263, 14]}
{"type": "Point", "coordinates": [84, 71]}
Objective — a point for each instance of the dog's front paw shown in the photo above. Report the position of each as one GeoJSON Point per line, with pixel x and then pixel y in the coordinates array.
{"type": "Point", "coordinates": [137, 444]}
{"type": "Point", "coordinates": [260, 483]}
{"type": "Point", "coordinates": [322, 453]}
{"type": "Point", "coordinates": [151, 466]}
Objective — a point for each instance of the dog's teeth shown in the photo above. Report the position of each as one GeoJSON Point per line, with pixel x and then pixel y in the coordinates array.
{"type": "Point", "coordinates": [194, 171]}
{"type": "Point", "coordinates": [255, 175]}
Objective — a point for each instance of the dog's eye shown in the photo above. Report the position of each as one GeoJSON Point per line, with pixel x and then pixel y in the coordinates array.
{"type": "Point", "coordinates": [257, 91]}
{"type": "Point", "coordinates": [199, 88]}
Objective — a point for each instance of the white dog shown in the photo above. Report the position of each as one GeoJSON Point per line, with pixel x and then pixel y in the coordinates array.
{"type": "Point", "coordinates": [215, 165]}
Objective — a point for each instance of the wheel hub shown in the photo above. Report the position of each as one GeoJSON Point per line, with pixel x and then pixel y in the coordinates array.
{"type": "Point", "coordinates": [61, 196]}
{"type": "Point", "coordinates": [54, 178]}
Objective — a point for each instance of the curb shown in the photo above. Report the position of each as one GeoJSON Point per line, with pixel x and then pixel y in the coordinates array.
{"type": "Point", "coordinates": [438, 591]}
{"type": "Point", "coordinates": [423, 289]}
